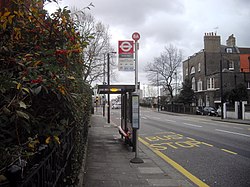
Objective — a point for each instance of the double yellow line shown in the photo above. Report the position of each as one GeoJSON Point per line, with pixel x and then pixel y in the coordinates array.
{"type": "Point", "coordinates": [178, 167]}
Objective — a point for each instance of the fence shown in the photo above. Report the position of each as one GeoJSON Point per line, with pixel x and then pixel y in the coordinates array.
{"type": "Point", "coordinates": [179, 108]}
{"type": "Point", "coordinates": [55, 164]}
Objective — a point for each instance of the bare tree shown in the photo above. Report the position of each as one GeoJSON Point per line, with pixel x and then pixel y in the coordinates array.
{"type": "Point", "coordinates": [98, 46]}
{"type": "Point", "coordinates": [162, 71]}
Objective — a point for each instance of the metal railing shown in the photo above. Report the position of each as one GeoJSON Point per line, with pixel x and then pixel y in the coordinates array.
{"type": "Point", "coordinates": [179, 108]}
{"type": "Point", "coordinates": [54, 165]}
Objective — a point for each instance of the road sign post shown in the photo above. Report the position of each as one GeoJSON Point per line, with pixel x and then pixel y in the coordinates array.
{"type": "Point", "coordinates": [135, 102]}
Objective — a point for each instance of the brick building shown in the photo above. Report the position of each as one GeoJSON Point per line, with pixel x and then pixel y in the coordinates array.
{"type": "Point", "coordinates": [244, 59]}
{"type": "Point", "coordinates": [206, 67]}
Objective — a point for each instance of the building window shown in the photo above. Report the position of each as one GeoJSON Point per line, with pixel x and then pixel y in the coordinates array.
{"type": "Point", "coordinates": [210, 83]}
{"type": "Point", "coordinates": [199, 85]}
{"type": "Point", "coordinates": [199, 67]}
{"type": "Point", "coordinates": [186, 71]}
{"type": "Point", "coordinates": [193, 83]}
{"type": "Point", "coordinates": [230, 65]}
{"type": "Point", "coordinates": [229, 50]}
{"type": "Point", "coordinates": [192, 70]}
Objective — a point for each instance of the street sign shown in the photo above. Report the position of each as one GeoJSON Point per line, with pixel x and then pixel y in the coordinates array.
{"type": "Point", "coordinates": [136, 36]}
{"type": "Point", "coordinates": [135, 103]}
{"type": "Point", "coordinates": [126, 55]}
{"type": "Point", "coordinates": [125, 47]}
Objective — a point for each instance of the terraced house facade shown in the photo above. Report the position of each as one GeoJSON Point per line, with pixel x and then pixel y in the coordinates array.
{"type": "Point", "coordinates": [206, 68]}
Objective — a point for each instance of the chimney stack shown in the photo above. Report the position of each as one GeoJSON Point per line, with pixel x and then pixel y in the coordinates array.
{"type": "Point", "coordinates": [212, 42]}
{"type": "Point", "coordinates": [231, 41]}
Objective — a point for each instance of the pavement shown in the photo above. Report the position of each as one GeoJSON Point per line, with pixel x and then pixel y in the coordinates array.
{"type": "Point", "coordinates": [107, 162]}
{"type": "Point", "coordinates": [241, 121]}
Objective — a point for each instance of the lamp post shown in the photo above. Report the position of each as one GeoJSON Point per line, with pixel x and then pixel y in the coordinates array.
{"type": "Point", "coordinates": [104, 96]}
{"type": "Point", "coordinates": [158, 102]}
{"type": "Point", "coordinates": [221, 88]}
{"type": "Point", "coordinates": [249, 64]}
{"type": "Point", "coordinates": [176, 84]}
{"type": "Point", "coordinates": [108, 80]}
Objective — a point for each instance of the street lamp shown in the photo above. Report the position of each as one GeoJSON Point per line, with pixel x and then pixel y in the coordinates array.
{"type": "Point", "coordinates": [221, 87]}
{"type": "Point", "coordinates": [108, 80]}
{"type": "Point", "coordinates": [158, 102]}
{"type": "Point", "coordinates": [176, 84]}
{"type": "Point", "coordinates": [104, 96]}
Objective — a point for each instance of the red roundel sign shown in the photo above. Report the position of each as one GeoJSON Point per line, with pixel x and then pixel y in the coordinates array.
{"type": "Point", "coordinates": [136, 36]}
{"type": "Point", "coordinates": [126, 47]}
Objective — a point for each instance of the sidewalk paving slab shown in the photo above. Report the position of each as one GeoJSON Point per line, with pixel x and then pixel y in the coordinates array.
{"type": "Point", "coordinates": [107, 162]}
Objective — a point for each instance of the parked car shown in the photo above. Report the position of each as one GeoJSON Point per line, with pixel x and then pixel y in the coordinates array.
{"type": "Point", "coordinates": [210, 111]}
{"type": "Point", "coordinates": [199, 110]}
{"type": "Point", "coordinates": [116, 106]}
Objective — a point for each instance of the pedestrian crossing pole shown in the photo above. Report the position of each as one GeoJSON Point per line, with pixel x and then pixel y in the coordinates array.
{"type": "Point", "coordinates": [135, 103]}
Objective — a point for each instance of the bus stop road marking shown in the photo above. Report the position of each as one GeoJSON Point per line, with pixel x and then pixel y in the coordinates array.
{"type": "Point", "coordinates": [178, 167]}
{"type": "Point", "coordinates": [207, 144]}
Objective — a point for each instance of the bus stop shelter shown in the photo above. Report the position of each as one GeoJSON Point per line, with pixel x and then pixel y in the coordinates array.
{"type": "Point", "coordinates": [126, 91]}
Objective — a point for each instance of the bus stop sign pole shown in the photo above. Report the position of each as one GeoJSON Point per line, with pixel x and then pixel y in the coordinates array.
{"type": "Point", "coordinates": [135, 103]}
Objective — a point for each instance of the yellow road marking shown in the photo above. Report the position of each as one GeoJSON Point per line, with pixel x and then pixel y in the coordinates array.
{"type": "Point", "coordinates": [207, 144]}
{"type": "Point", "coordinates": [190, 138]}
{"type": "Point", "coordinates": [178, 167]}
{"type": "Point", "coordinates": [229, 151]}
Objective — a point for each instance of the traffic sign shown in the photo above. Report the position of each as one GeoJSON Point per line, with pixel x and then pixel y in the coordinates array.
{"type": "Point", "coordinates": [126, 55]}
{"type": "Point", "coordinates": [126, 47]}
{"type": "Point", "coordinates": [136, 36]}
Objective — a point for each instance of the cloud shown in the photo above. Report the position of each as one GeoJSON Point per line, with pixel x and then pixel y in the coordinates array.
{"type": "Point", "coordinates": [179, 22]}
{"type": "Point", "coordinates": [130, 12]}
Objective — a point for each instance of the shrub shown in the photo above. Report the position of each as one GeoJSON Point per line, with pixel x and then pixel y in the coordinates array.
{"type": "Point", "coordinates": [41, 68]}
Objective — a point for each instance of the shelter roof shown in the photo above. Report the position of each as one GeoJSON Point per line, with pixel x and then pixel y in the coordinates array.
{"type": "Point", "coordinates": [115, 89]}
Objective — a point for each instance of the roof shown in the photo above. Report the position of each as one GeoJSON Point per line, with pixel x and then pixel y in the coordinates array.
{"type": "Point", "coordinates": [115, 89]}
{"type": "Point", "coordinates": [223, 49]}
{"type": "Point", "coordinates": [244, 50]}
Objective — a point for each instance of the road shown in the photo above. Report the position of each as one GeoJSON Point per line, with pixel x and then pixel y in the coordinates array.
{"type": "Point", "coordinates": [215, 152]}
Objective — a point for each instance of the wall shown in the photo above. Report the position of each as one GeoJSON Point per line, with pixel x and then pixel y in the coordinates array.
{"type": "Point", "coordinates": [247, 116]}
{"type": "Point", "coordinates": [245, 62]}
{"type": "Point", "coordinates": [230, 115]}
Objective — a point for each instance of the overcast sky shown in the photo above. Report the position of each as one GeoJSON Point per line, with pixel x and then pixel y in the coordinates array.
{"type": "Point", "coordinates": [163, 22]}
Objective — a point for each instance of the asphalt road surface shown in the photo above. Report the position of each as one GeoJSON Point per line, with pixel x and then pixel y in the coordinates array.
{"type": "Point", "coordinates": [217, 153]}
